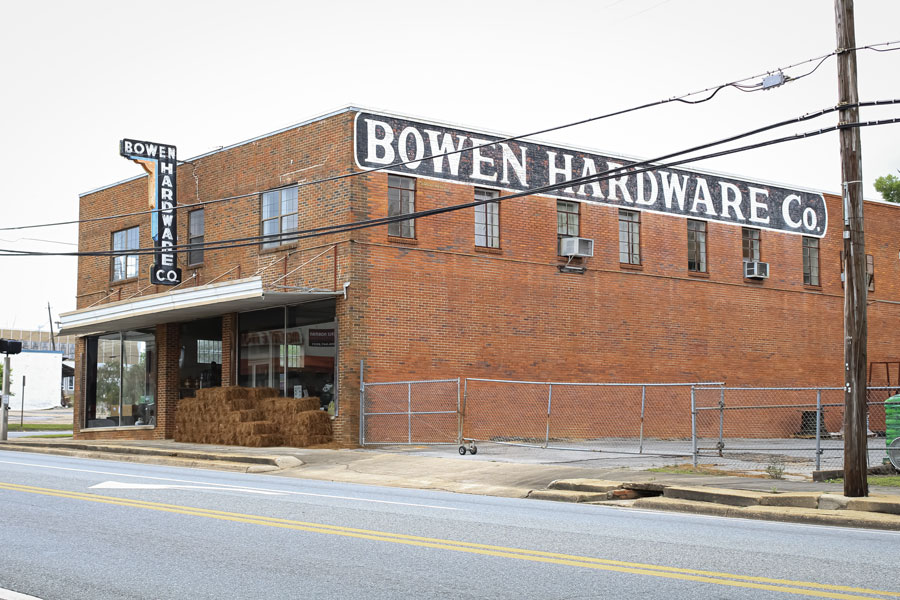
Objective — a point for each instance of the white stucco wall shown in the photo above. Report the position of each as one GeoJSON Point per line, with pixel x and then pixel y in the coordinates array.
{"type": "Point", "coordinates": [43, 379]}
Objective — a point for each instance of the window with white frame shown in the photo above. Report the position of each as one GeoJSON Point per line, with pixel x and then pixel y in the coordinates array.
{"type": "Point", "coordinates": [196, 229]}
{"type": "Point", "coordinates": [125, 266]}
{"type": "Point", "coordinates": [629, 237]}
{"type": "Point", "coordinates": [487, 219]}
{"type": "Point", "coordinates": [279, 216]}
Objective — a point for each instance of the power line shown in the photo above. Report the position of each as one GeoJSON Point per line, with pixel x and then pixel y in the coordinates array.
{"type": "Point", "coordinates": [683, 99]}
{"type": "Point", "coordinates": [632, 168]}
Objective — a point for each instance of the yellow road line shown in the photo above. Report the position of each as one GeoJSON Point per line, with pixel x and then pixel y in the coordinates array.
{"type": "Point", "coordinates": [727, 579]}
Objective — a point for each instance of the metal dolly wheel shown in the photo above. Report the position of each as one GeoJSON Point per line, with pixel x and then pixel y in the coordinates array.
{"type": "Point", "coordinates": [469, 446]}
{"type": "Point", "coordinates": [893, 452]}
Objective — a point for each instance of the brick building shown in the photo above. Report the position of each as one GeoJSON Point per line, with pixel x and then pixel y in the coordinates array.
{"type": "Point", "coordinates": [491, 290]}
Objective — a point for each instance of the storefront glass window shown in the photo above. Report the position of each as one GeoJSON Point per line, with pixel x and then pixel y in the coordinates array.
{"type": "Point", "coordinates": [291, 349]}
{"type": "Point", "coordinates": [120, 389]}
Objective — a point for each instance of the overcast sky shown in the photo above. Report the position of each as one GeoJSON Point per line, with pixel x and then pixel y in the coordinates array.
{"type": "Point", "coordinates": [79, 76]}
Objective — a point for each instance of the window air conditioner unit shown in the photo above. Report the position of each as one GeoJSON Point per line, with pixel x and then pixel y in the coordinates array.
{"type": "Point", "coordinates": [756, 270]}
{"type": "Point", "coordinates": [573, 246]}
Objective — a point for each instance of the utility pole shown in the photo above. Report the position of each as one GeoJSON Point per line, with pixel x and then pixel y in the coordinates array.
{"type": "Point", "coordinates": [52, 339]}
{"type": "Point", "coordinates": [4, 403]}
{"type": "Point", "coordinates": [855, 284]}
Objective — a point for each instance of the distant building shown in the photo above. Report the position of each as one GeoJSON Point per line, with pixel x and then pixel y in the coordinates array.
{"type": "Point", "coordinates": [45, 369]}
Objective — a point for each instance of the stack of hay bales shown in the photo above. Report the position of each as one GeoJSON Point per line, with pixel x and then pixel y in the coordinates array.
{"type": "Point", "coordinates": [254, 417]}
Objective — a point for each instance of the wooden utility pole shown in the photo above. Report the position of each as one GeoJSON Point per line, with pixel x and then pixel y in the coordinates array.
{"type": "Point", "coordinates": [855, 284]}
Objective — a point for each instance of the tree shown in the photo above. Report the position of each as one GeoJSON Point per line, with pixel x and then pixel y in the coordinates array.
{"type": "Point", "coordinates": [889, 188]}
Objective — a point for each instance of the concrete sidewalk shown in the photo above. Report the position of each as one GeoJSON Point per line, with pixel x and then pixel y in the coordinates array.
{"type": "Point", "coordinates": [542, 479]}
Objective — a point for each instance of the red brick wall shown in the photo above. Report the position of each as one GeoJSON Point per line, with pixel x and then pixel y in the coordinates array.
{"type": "Point", "coordinates": [437, 307]}
{"type": "Point", "coordinates": [440, 308]}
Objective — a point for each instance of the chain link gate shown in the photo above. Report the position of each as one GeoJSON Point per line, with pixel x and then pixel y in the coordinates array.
{"type": "Point", "coordinates": [409, 412]}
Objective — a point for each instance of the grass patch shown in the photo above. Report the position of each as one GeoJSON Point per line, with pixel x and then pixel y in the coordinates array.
{"type": "Point", "coordinates": [48, 435]}
{"type": "Point", "coordinates": [883, 480]}
{"type": "Point", "coordinates": [40, 427]}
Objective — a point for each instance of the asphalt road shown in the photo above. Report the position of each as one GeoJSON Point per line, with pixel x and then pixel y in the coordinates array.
{"type": "Point", "coordinates": [74, 528]}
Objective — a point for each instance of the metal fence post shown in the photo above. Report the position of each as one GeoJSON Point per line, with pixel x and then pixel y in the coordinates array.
{"type": "Point", "coordinates": [643, 401]}
{"type": "Point", "coordinates": [409, 413]}
{"type": "Point", "coordinates": [721, 444]}
{"type": "Point", "coordinates": [362, 403]}
{"type": "Point", "coordinates": [818, 430]}
{"type": "Point", "coordinates": [462, 411]}
{"type": "Point", "coordinates": [549, 401]}
{"type": "Point", "coordinates": [693, 427]}
{"type": "Point", "coordinates": [458, 416]}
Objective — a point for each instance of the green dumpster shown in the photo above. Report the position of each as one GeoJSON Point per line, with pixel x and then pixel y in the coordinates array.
{"type": "Point", "coordinates": [891, 419]}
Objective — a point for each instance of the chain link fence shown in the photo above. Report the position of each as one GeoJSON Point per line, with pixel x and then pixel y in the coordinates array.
{"type": "Point", "coordinates": [410, 412]}
{"type": "Point", "coordinates": [774, 432]}
{"type": "Point", "coordinates": [781, 431]}
{"type": "Point", "coordinates": [620, 418]}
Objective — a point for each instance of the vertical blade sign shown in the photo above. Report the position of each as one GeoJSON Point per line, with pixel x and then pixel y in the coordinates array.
{"type": "Point", "coordinates": [159, 160]}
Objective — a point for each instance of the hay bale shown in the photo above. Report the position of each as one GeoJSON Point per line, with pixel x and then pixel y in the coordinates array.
{"type": "Point", "coordinates": [258, 393]}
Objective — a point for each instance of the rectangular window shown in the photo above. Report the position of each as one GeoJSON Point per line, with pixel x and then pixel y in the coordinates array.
{"type": "Point", "coordinates": [125, 266]}
{"type": "Point", "coordinates": [487, 220]}
{"type": "Point", "coordinates": [750, 244]}
{"type": "Point", "coordinates": [629, 237]}
{"type": "Point", "coordinates": [696, 246]}
{"type": "Point", "coordinates": [120, 379]}
{"type": "Point", "coordinates": [196, 228]}
{"type": "Point", "coordinates": [401, 201]}
{"type": "Point", "coordinates": [209, 351]}
{"type": "Point", "coordinates": [279, 216]}
{"type": "Point", "coordinates": [870, 272]}
{"type": "Point", "coordinates": [810, 261]}
{"type": "Point", "coordinates": [567, 219]}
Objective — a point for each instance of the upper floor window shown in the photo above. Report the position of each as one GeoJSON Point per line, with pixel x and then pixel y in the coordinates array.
{"type": "Point", "coordinates": [125, 266]}
{"type": "Point", "coordinates": [629, 237]}
{"type": "Point", "coordinates": [487, 220]}
{"type": "Point", "coordinates": [810, 261]}
{"type": "Point", "coordinates": [196, 227]}
{"type": "Point", "coordinates": [401, 201]}
{"type": "Point", "coordinates": [750, 244]}
{"type": "Point", "coordinates": [567, 218]}
{"type": "Point", "coordinates": [870, 272]}
{"type": "Point", "coordinates": [279, 215]}
{"type": "Point", "coordinates": [696, 246]}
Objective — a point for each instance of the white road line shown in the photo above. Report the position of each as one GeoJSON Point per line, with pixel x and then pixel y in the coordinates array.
{"type": "Point", "coordinates": [6, 594]}
{"type": "Point", "coordinates": [119, 485]}
{"type": "Point", "coordinates": [227, 485]}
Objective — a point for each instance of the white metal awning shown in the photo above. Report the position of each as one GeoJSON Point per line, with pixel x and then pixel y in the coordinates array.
{"type": "Point", "coordinates": [183, 305]}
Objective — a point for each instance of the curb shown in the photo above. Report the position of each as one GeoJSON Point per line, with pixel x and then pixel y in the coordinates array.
{"type": "Point", "coordinates": [785, 514]}
{"type": "Point", "coordinates": [250, 462]}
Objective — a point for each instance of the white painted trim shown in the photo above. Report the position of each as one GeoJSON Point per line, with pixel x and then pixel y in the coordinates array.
{"type": "Point", "coordinates": [250, 287]}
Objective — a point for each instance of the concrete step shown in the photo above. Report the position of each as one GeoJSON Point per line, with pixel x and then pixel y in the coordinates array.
{"type": "Point", "coordinates": [585, 485]}
{"type": "Point", "coordinates": [881, 504]}
{"type": "Point", "coordinates": [716, 495]}
{"type": "Point", "coordinates": [792, 499]}
{"type": "Point", "coordinates": [566, 495]}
